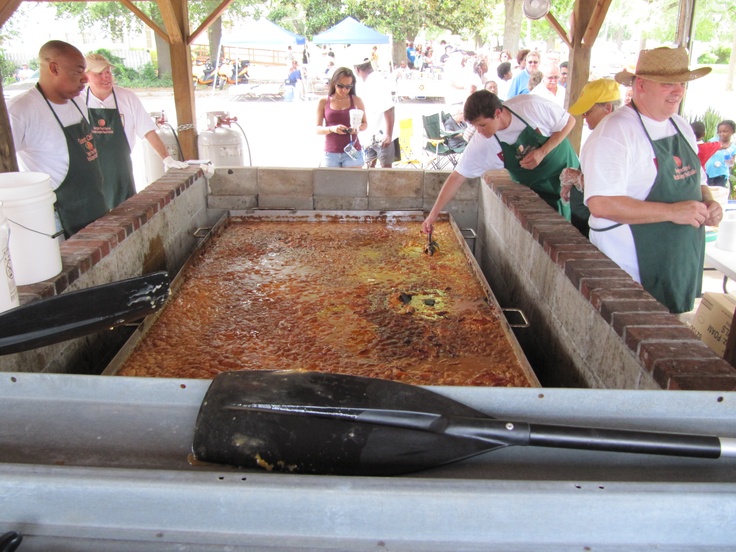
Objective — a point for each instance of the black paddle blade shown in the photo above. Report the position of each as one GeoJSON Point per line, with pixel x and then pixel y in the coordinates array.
{"type": "Point", "coordinates": [82, 312]}
{"type": "Point", "coordinates": [310, 422]}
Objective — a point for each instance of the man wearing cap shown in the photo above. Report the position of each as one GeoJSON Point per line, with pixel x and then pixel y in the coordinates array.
{"type": "Point", "coordinates": [598, 99]}
{"type": "Point", "coordinates": [51, 135]}
{"type": "Point", "coordinates": [118, 119]}
{"type": "Point", "coordinates": [377, 139]}
{"type": "Point", "coordinates": [644, 184]}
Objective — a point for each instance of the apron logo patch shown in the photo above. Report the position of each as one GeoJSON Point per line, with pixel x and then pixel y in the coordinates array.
{"type": "Point", "coordinates": [101, 122]}
{"type": "Point", "coordinates": [678, 161]}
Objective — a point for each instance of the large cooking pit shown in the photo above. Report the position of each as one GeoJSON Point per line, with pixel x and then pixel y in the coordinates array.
{"type": "Point", "coordinates": [101, 463]}
{"type": "Point", "coordinates": [354, 293]}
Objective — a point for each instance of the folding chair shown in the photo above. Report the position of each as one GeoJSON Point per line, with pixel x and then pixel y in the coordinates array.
{"type": "Point", "coordinates": [437, 143]}
{"type": "Point", "coordinates": [406, 134]}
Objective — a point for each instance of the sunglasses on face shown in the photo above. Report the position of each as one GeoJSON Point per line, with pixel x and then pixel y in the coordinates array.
{"type": "Point", "coordinates": [344, 86]}
{"type": "Point", "coordinates": [532, 62]}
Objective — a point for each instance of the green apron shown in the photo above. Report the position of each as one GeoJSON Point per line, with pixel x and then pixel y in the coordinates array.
{"type": "Point", "coordinates": [115, 161]}
{"type": "Point", "coordinates": [545, 178]}
{"type": "Point", "coordinates": [671, 255]}
{"type": "Point", "coordinates": [79, 199]}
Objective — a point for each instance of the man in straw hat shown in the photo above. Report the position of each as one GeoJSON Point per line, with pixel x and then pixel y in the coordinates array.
{"type": "Point", "coordinates": [118, 119]}
{"type": "Point", "coordinates": [644, 184]}
{"type": "Point", "coordinates": [52, 136]}
{"type": "Point", "coordinates": [598, 99]}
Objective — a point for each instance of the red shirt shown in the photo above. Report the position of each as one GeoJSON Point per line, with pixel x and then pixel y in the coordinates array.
{"type": "Point", "coordinates": [706, 150]}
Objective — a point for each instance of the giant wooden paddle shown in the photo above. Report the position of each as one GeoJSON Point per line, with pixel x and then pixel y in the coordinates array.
{"type": "Point", "coordinates": [82, 312]}
{"type": "Point", "coordinates": [311, 422]}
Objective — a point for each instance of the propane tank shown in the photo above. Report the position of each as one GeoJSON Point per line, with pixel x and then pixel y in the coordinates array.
{"type": "Point", "coordinates": [154, 164]}
{"type": "Point", "coordinates": [220, 144]}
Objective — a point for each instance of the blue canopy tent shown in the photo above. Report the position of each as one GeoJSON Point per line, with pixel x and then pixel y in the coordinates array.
{"type": "Point", "coordinates": [350, 31]}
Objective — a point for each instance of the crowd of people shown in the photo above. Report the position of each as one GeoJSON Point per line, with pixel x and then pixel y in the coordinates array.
{"type": "Point", "coordinates": [639, 189]}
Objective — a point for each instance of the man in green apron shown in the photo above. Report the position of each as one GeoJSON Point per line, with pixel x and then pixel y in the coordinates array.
{"type": "Point", "coordinates": [118, 118]}
{"type": "Point", "coordinates": [526, 135]}
{"type": "Point", "coordinates": [644, 184]}
{"type": "Point", "coordinates": [51, 135]}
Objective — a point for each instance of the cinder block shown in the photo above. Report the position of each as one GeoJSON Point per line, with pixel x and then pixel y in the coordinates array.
{"type": "Point", "coordinates": [269, 201]}
{"type": "Point", "coordinates": [234, 181]}
{"type": "Point", "coordinates": [433, 181]}
{"type": "Point", "coordinates": [398, 183]}
{"type": "Point", "coordinates": [232, 202]}
{"type": "Point", "coordinates": [394, 203]}
{"type": "Point", "coordinates": [286, 182]}
{"type": "Point", "coordinates": [341, 182]}
{"type": "Point", "coordinates": [340, 203]}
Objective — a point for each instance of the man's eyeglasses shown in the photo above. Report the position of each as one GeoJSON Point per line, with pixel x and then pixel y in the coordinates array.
{"type": "Point", "coordinates": [553, 78]}
{"type": "Point", "coordinates": [344, 86]}
{"type": "Point", "coordinates": [532, 62]}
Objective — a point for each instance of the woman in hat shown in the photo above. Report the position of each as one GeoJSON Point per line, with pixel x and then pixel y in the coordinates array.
{"type": "Point", "coordinates": [342, 147]}
{"type": "Point", "coordinates": [644, 184]}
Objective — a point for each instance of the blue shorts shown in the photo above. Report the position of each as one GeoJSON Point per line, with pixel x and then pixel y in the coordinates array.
{"type": "Point", "coordinates": [342, 160]}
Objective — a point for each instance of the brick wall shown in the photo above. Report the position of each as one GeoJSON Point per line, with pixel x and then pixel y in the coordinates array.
{"type": "Point", "coordinates": [591, 324]}
{"type": "Point", "coordinates": [147, 233]}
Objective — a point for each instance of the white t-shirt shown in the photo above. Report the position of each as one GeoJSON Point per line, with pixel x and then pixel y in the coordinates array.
{"type": "Point", "coordinates": [543, 92]}
{"type": "Point", "coordinates": [39, 140]}
{"type": "Point", "coordinates": [137, 122]}
{"type": "Point", "coordinates": [482, 154]}
{"type": "Point", "coordinates": [619, 160]}
{"type": "Point", "coordinates": [375, 92]}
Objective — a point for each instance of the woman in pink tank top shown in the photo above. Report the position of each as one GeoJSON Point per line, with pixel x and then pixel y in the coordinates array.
{"type": "Point", "coordinates": [342, 148]}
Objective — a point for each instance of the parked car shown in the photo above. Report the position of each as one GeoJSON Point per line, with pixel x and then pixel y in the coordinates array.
{"type": "Point", "coordinates": [16, 88]}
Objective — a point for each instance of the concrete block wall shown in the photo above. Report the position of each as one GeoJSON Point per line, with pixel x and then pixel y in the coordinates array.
{"type": "Point", "coordinates": [591, 324]}
{"type": "Point", "coordinates": [151, 231]}
{"type": "Point", "coordinates": [240, 188]}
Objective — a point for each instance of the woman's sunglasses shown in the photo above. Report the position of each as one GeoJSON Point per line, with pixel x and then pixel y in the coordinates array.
{"type": "Point", "coordinates": [344, 86]}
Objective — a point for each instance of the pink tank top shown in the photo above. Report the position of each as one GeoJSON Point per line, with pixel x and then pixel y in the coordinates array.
{"type": "Point", "coordinates": [335, 143]}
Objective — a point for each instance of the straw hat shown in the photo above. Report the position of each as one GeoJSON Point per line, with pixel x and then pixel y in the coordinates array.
{"type": "Point", "coordinates": [597, 91]}
{"type": "Point", "coordinates": [97, 63]}
{"type": "Point", "coordinates": [662, 65]}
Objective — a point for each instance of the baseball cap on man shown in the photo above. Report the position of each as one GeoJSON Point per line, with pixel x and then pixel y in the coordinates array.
{"type": "Point", "coordinates": [662, 65]}
{"type": "Point", "coordinates": [597, 91]}
{"type": "Point", "coordinates": [363, 64]}
{"type": "Point", "coordinates": [97, 63]}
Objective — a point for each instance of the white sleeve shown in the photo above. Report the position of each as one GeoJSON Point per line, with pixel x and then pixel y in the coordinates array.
{"type": "Point", "coordinates": [480, 155]}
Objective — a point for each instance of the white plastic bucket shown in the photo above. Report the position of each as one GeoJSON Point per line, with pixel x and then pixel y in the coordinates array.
{"type": "Point", "coordinates": [726, 238]}
{"type": "Point", "coordinates": [8, 291]}
{"type": "Point", "coordinates": [28, 204]}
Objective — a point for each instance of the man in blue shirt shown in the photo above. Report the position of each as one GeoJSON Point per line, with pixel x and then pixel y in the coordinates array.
{"type": "Point", "coordinates": [519, 82]}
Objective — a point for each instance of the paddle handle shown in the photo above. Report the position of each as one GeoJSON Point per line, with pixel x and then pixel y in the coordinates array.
{"type": "Point", "coordinates": [587, 438]}
{"type": "Point", "coordinates": [641, 442]}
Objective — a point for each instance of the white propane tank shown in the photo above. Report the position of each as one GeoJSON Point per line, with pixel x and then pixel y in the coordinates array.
{"type": "Point", "coordinates": [220, 144]}
{"type": "Point", "coordinates": [153, 163]}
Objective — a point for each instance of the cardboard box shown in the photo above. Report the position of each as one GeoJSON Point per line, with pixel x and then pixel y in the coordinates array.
{"type": "Point", "coordinates": [712, 321]}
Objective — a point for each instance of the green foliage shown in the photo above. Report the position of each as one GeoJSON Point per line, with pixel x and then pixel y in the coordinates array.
{"type": "Point", "coordinates": [7, 69]}
{"type": "Point", "coordinates": [710, 119]}
{"type": "Point", "coordinates": [146, 77]}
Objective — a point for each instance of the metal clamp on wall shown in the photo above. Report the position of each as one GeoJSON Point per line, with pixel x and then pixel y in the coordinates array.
{"type": "Point", "coordinates": [469, 235]}
{"type": "Point", "coordinates": [201, 233]}
{"type": "Point", "coordinates": [524, 321]}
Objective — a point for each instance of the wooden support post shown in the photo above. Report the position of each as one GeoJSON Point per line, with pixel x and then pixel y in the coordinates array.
{"type": "Point", "coordinates": [176, 19]}
{"type": "Point", "coordinates": [8, 162]}
{"type": "Point", "coordinates": [579, 69]}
